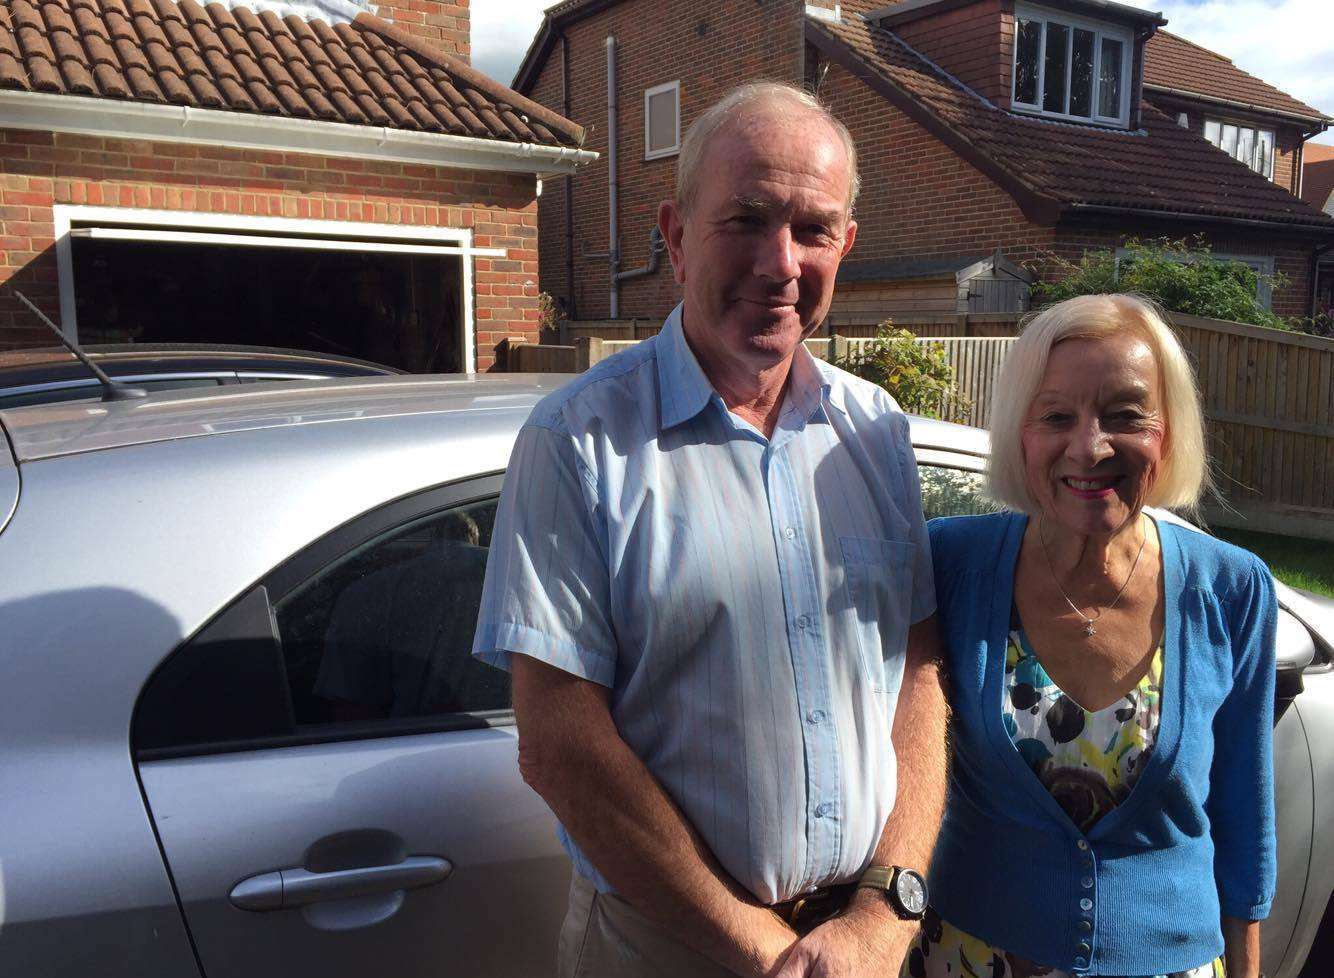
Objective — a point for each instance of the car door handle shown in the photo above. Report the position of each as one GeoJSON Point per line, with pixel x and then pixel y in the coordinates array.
{"type": "Point", "coordinates": [296, 887]}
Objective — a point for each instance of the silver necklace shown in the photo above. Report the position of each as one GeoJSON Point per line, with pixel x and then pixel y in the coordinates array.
{"type": "Point", "coordinates": [1089, 630]}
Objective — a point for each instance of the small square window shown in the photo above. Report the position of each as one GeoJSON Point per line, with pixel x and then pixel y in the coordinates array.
{"type": "Point", "coordinates": [662, 121]}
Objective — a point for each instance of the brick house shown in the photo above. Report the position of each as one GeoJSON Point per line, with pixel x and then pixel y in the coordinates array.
{"type": "Point", "coordinates": [968, 149]}
{"type": "Point", "coordinates": [311, 175]}
{"type": "Point", "coordinates": [1318, 191]}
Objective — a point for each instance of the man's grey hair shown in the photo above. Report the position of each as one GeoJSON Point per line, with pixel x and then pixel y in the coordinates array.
{"type": "Point", "coordinates": [752, 97]}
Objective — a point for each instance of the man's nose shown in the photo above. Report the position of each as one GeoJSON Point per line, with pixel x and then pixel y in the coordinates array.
{"type": "Point", "coordinates": [1089, 444]}
{"type": "Point", "coordinates": [777, 256]}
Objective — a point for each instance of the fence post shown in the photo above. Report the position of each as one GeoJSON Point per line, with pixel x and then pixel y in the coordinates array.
{"type": "Point", "coordinates": [838, 348]}
{"type": "Point", "coordinates": [507, 353]}
{"type": "Point", "coordinates": [965, 325]}
{"type": "Point", "coordinates": [587, 351]}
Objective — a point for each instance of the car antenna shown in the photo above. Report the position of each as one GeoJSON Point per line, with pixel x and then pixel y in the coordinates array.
{"type": "Point", "coordinates": [112, 391]}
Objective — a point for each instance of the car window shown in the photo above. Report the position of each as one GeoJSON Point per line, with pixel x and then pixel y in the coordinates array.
{"type": "Point", "coordinates": [366, 633]}
{"type": "Point", "coordinates": [953, 492]}
{"type": "Point", "coordinates": [386, 631]}
{"type": "Point", "coordinates": [93, 391]}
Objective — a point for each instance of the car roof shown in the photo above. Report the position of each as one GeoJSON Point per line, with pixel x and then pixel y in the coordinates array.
{"type": "Point", "coordinates": [56, 430]}
{"type": "Point", "coordinates": [19, 368]}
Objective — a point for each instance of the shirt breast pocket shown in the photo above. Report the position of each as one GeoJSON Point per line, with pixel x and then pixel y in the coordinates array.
{"type": "Point", "coordinates": [879, 584]}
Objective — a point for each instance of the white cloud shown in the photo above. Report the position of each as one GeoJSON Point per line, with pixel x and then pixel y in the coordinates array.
{"type": "Point", "coordinates": [1288, 43]}
{"type": "Point", "coordinates": [501, 33]}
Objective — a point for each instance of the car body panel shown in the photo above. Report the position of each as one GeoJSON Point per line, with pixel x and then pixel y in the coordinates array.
{"type": "Point", "coordinates": [9, 481]}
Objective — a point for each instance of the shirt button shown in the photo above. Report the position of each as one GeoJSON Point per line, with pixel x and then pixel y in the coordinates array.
{"type": "Point", "coordinates": [804, 621]}
{"type": "Point", "coordinates": [1087, 882]}
{"type": "Point", "coordinates": [1085, 926]}
{"type": "Point", "coordinates": [815, 716]}
{"type": "Point", "coordinates": [1082, 844]}
{"type": "Point", "coordinates": [821, 810]}
{"type": "Point", "coordinates": [1086, 904]}
{"type": "Point", "coordinates": [789, 532]}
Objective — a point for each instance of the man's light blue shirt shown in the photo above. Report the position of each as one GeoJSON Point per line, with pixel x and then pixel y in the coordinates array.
{"type": "Point", "coordinates": [746, 599]}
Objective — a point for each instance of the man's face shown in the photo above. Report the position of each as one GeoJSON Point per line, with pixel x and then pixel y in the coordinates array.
{"type": "Point", "coordinates": [758, 249]}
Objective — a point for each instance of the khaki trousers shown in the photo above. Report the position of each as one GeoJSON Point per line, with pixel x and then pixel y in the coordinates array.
{"type": "Point", "coordinates": [604, 937]}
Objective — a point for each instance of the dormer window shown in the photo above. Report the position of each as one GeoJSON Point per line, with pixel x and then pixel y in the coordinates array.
{"type": "Point", "coordinates": [1071, 68]}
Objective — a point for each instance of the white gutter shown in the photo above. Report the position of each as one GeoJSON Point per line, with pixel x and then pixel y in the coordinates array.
{"type": "Point", "coordinates": [240, 130]}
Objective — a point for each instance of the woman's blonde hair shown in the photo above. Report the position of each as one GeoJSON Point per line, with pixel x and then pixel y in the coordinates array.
{"type": "Point", "coordinates": [1183, 473]}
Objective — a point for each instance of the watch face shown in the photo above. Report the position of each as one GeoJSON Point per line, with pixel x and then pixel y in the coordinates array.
{"type": "Point", "coordinates": [911, 891]}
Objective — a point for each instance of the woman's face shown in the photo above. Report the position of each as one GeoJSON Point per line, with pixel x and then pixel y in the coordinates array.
{"type": "Point", "coordinates": [1094, 433]}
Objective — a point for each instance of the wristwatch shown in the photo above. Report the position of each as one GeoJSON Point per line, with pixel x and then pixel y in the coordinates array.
{"type": "Point", "coordinates": [904, 889]}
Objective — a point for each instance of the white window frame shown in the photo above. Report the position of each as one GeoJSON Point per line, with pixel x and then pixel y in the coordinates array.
{"type": "Point", "coordinates": [339, 235]}
{"type": "Point", "coordinates": [1262, 265]}
{"type": "Point", "coordinates": [672, 150]}
{"type": "Point", "coordinates": [1221, 123]}
{"type": "Point", "coordinates": [1100, 31]}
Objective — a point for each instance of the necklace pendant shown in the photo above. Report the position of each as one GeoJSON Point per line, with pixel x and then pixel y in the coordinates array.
{"type": "Point", "coordinates": [1089, 630]}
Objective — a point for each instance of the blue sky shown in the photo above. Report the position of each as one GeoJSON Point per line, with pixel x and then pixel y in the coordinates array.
{"type": "Point", "coordinates": [1288, 43]}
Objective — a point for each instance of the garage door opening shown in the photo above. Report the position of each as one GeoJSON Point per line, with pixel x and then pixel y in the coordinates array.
{"type": "Point", "coordinates": [394, 302]}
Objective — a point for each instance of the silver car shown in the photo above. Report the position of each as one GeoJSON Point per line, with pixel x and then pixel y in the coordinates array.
{"type": "Point", "coordinates": [242, 734]}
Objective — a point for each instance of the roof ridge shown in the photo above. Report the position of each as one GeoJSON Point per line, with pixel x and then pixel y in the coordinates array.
{"type": "Point", "coordinates": [466, 72]}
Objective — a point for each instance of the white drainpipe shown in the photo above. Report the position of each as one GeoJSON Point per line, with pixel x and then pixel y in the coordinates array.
{"type": "Point", "coordinates": [613, 231]}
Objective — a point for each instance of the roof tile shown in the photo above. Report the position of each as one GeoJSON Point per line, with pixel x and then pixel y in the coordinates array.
{"type": "Point", "coordinates": [1173, 62]}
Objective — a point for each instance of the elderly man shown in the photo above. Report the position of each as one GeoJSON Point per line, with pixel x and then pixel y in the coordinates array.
{"type": "Point", "coordinates": [710, 578]}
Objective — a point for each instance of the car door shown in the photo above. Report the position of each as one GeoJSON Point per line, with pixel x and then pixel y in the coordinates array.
{"type": "Point", "coordinates": [334, 779]}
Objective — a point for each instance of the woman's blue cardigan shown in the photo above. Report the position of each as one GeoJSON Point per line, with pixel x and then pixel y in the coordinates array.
{"type": "Point", "coordinates": [1142, 892]}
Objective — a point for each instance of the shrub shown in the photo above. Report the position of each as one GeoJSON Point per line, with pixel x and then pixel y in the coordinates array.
{"type": "Point", "coordinates": [917, 375]}
{"type": "Point", "coordinates": [1181, 276]}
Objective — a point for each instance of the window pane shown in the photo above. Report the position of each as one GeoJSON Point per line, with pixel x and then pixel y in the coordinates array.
{"type": "Point", "coordinates": [953, 492]}
{"type": "Point", "coordinates": [1028, 48]}
{"type": "Point", "coordinates": [1109, 79]}
{"type": "Point", "coordinates": [1229, 143]}
{"type": "Point", "coordinates": [662, 121]}
{"type": "Point", "coordinates": [386, 630]}
{"type": "Point", "coordinates": [1081, 75]}
{"type": "Point", "coordinates": [1213, 131]}
{"type": "Point", "coordinates": [1246, 147]}
{"type": "Point", "coordinates": [1058, 43]}
{"type": "Point", "coordinates": [1264, 156]}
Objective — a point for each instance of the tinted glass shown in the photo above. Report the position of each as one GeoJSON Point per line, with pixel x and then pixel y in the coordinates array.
{"type": "Point", "coordinates": [386, 630]}
{"type": "Point", "coordinates": [1058, 42]}
{"type": "Point", "coordinates": [1028, 47]}
{"type": "Point", "coordinates": [953, 492]}
{"type": "Point", "coordinates": [1081, 75]}
{"type": "Point", "coordinates": [662, 120]}
{"type": "Point", "coordinates": [1109, 79]}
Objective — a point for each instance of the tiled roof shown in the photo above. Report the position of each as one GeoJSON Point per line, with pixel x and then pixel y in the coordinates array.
{"type": "Point", "coordinates": [366, 72]}
{"type": "Point", "coordinates": [1057, 168]}
{"type": "Point", "coordinates": [1173, 62]}
{"type": "Point", "coordinates": [1317, 174]}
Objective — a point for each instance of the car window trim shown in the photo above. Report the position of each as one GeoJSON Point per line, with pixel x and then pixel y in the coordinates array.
{"type": "Point", "coordinates": [74, 383]}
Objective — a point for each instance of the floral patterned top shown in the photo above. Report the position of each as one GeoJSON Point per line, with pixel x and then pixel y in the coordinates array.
{"type": "Point", "coordinates": [1089, 760]}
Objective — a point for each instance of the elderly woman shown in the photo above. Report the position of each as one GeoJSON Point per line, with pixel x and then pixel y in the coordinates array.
{"type": "Point", "coordinates": [1111, 804]}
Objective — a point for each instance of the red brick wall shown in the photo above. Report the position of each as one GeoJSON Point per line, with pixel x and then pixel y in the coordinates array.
{"type": "Point", "coordinates": [973, 43]}
{"type": "Point", "coordinates": [446, 22]}
{"type": "Point", "coordinates": [709, 46]}
{"type": "Point", "coordinates": [920, 199]}
{"type": "Point", "coordinates": [41, 169]}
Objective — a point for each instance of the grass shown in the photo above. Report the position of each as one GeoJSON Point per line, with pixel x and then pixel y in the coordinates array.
{"type": "Point", "coordinates": [1300, 563]}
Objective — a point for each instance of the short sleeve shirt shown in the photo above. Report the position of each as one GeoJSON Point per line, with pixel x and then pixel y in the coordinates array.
{"type": "Point", "coordinates": [745, 599]}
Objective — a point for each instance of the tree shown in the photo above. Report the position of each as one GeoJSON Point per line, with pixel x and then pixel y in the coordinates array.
{"type": "Point", "coordinates": [917, 375]}
{"type": "Point", "coordinates": [1181, 276]}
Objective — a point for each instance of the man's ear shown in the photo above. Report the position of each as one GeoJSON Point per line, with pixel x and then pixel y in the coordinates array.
{"type": "Point", "coordinates": [672, 224]}
{"type": "Point", "coordinates": [849, 236]}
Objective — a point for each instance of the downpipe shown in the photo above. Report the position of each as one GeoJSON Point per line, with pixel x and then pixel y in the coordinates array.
{"type": "Point", "coordinates": [613, 185]}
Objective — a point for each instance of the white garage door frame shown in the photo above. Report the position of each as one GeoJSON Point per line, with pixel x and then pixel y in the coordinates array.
{"type": "Point", "coordinates": [123, 222]}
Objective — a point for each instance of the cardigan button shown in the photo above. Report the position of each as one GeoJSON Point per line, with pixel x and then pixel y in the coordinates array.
{"type": "Point", "coordinates": [1087, 882]}
{"type": "Point", "coordinates": [1082, 844]}
{"type": "Point", "coordinates": [1081, 963]}
{"type": "Point", "coordinates": [1085, 926]}
{"type": "Point", "coordinates": [1083, 947]}
{"type": "Point", "coordinates": [1086, 904]}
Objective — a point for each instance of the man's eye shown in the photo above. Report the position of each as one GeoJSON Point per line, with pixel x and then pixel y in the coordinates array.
{"type": "Point", "coordinates": [745, 221]}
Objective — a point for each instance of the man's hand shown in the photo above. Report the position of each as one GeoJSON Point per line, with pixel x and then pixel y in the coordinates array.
{"type": "Point", "coordinates": [866, 940]}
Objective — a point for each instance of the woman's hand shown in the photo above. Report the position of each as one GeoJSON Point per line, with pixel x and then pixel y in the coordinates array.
{"type": "Point", "coordinates": [1241, 947]}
